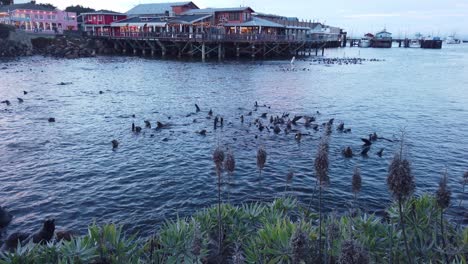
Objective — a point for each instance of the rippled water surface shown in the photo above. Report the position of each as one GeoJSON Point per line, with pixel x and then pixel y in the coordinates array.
{"type": "Point", "coordinates": [69, 171]}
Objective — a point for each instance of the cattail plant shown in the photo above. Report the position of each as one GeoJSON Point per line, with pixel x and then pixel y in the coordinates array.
{"type": "Point", "coordinates": [300, 246]}
{"type": "Point", "coordinates": [401, 184]}
{"type": "Point", "coordinates": [443, 196]}
{"type": "Point", "coordinates": [352, 253]}
{"type": "Point", "coordinates": [321, 172]}
{"type": "Point", "coordinates": [356, 183]}
{"type": "Point", "coordinates": [218, 158]}
{"type": "Point", "coordinates": [261, 159]}
{"type": "Point", "coordinates": [230, 166]}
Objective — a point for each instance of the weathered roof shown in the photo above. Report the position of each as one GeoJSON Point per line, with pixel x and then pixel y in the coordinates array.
{"type": "Point", "coordinates": [103, 12]}
{"type": "Point", "coordinates": [189, 19]}
{"type": "Point", "coordinates": [156, 8]}
{"type": "Point", "coordinates": [214, 10]}
{"type": "Point", "coordinates": [256, 22]}
{"type": "Point", "coordinates": [28, 6]}
{"type": "Point", "coordinates": [141, 21]}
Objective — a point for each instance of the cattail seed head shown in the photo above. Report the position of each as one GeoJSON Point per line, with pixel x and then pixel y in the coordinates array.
{"type": "Point", "coordinates": [230, 163]}
{"type": "Point", "coordinates": [352, 252]}
{"type": "Point", "coordinates": [357, 181]}
{"type": "Point", "coordinates": [400, 181]}
{"type": "Point", "coordinates": [322, 163]}
{"type": "Point", "coordinates": [300, 246]}
{"type": "Point", "coordinates": [443, 194]}
{"type": "Point", "coordinates": [218, 158]}
{"type": "Point", "coordinates": [261, 158]}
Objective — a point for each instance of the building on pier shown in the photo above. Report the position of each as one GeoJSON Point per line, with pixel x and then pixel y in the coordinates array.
{"type": "Point", "coordinates": [99, 22]}
{"type": "Point", "coordinates": [161, 9]}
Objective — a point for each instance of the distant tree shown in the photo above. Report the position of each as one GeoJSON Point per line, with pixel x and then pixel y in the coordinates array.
{"type": "Point", "coordinates": [78, 9]}
{"type": "Point", "coordinates": [6, 2]}
{"type": "Point", "coordinates": [51, 6]}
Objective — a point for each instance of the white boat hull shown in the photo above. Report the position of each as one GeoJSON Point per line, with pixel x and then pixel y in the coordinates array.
{"type": "Point", "coordinates": [415, 44]}
{"type": "Point", "coordinates": [364, 43]}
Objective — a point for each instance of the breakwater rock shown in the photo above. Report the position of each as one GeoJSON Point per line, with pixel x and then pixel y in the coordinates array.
{"type": "Point", "coordinates": [65, 47]}
{"type": "Point", "coordinates": [13, 43]}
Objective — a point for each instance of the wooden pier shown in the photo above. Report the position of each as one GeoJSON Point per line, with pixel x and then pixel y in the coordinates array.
{"type": "Point", "coordinates": [219, 46]}
{"type": "Point", "coordinates": [402, 43]}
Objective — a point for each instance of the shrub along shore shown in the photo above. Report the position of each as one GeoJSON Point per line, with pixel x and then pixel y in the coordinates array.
{"type": "Point", "coordinates": [414, 229]}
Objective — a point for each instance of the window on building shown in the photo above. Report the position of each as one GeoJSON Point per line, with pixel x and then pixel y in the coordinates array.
{"type": "Point", "coordinates": [28, 16]}
{"type": "Point", "coordinates": [54, 17]}
{"type": "Point", "coordinates": [115, 18]}
{"type": "Point", "coordinates": [49, 17]}
{"type": "Point", "coordinates": [234, 17]}
{"type": "Point", "coordinates": [36, 17]}
{"type": "Point", "coordinates": [41, 17]}
{"type": "Point", "coordinates": [99, 18]}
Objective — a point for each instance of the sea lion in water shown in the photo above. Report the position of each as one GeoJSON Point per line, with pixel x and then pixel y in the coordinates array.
{"type": "Point", "coordinates": [115, 144]}
{"type": "Point", "coordinates": [373, 137]}
{"type": "Point", "coordinates": [295, 119]}
{"type": "Point", "coordinates": [202, 132]}
{"type": "Point", "coordinates": [147, 124]}
{"type": "Point", "coordinates": [340, 127]}
{"type": "Point", "coordinates": [46, 233]}
{"type": "Point", "coordinates": [160, 125]}
{"type": "Point", "coordinates": [298, 136]}
{"type": "Point", "coordinates": [380, 153]}
{"type": "Point", "coordinates": [51, 120]}
{"type": "Point", "coordinates": [133, 127]}
{"type": "Point", "coordinates": [5, 218]}
{"type": "Point", "coordinates": [20, 100]}
{"type": "Point", "coordinates": [365, 151]}
{"type": "Point", "coordinates": [25, 93]}
{"type": "Point", "coordinates": [210, 113]}
{"type": "Point", "coordinates": [242, 118]}
{"type": "Point", "coordinates": [137, 129]}
{"type": "Point", "coordinates": [277, 129]}
{"type": "Point", "coordinates": [367, 142]}
{"type": "Point", "coordinates": [348, 152]}
{"type": "Point", "coordinates": [197, 107]}
{"type": "Point", "coordinates": [6, 102]}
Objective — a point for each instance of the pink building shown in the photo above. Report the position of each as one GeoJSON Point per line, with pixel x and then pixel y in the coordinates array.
{"type": "Point", "coordinates": [38, 18]}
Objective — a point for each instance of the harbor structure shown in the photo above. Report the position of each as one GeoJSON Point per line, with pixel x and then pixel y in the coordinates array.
{"type": "Point", "coordinates": [382, 39]}
{"type": "Point", "coordinates": [183, 29]}
{"type": "Point", "coordinates": [32, 17]}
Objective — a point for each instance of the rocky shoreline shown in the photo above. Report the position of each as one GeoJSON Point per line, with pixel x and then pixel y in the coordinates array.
{"type": "Point", "coordinates": [17, 44]}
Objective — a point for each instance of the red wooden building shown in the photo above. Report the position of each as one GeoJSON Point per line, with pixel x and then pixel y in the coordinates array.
{"type": "Point", "coordinates": [99, 22]}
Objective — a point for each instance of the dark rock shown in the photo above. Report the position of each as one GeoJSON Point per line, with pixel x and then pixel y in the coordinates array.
{"type": "Point", "coordinates": [5, 218]}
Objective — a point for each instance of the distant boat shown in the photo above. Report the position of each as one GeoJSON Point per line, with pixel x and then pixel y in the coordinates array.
{"type": "Point", "coordinates": [366, 41]}
{"type": "Point", "coordinates": [383, 39]}
{"type": "Point", "coordinates": [452, 40]}
{"type": "Point", "coordinates": [416, 41]}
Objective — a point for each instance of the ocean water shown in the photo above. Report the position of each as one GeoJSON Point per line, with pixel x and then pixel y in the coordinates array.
{"type": "Point", "coordinates": [68, 170]}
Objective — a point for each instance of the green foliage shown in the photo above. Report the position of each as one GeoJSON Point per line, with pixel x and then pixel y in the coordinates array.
{"type": "Point", "coordinates": [278, 232]}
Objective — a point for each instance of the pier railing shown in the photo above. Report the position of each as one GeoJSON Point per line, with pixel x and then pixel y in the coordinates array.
{"type": "Point", "coordinates": [210, 37]}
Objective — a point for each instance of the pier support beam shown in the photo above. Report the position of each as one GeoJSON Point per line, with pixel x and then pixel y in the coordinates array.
{"type": "Point", "coordinates": [203, 51]}
{"type": "Point", "coordinates": [220, 50]}
{"type": "Point", "coordinates": [253, 51]}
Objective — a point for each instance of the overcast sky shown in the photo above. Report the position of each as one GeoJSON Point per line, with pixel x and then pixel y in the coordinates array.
{"type": "Point", "coordinates": [437, 17]}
